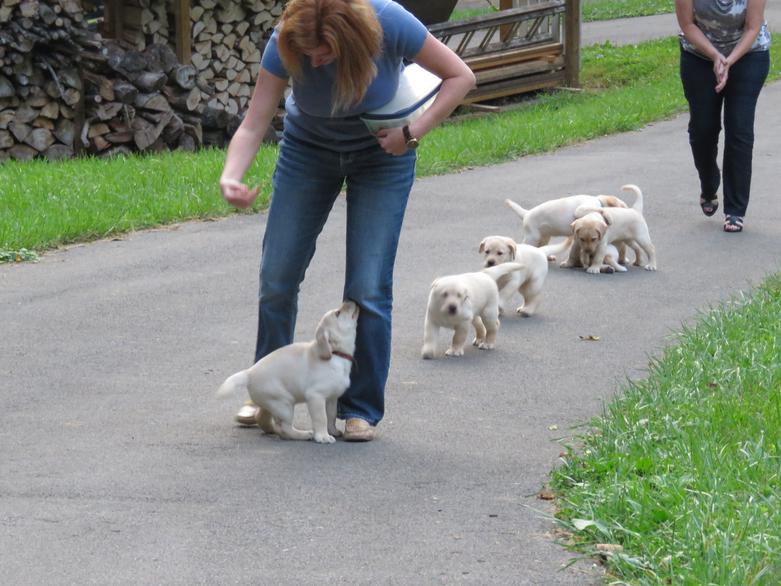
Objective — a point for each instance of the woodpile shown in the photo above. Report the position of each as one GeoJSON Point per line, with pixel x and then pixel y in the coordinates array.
{"type": "Point", "coordinates": [40, 89]}
{"type": "Point", "coordinates": [66, 90]}
{"type": "Point", "coordinates": [227, 39]}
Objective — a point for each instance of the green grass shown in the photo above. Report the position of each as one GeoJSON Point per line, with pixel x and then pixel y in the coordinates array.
{"type": "Point", "coordinates": [591, 9]}
{"type": "Point", "coordinates": [43, 204]}
{"type": "Point", "coordinates": [684, 468]}
{"type": "Point", "coordinates": [464, 13]}
{"type": "Point", "coordinates": [609, 9]}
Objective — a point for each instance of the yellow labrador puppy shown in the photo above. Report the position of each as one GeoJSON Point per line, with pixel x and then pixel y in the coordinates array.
{"type": "Point", "coordinates": [316, 373]}
{"type": "Point", "coordinates": [528, 281]}
{"type": "Point", "coordinates": [553, 217]}
{"type": "Point", "coordinates": [455, 301]}
{"type": "Point", "coordinates": [596, 229]}
{"type": "Point", "coordinates": [587, 231]}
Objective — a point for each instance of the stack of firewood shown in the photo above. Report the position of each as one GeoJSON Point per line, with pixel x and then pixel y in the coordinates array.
{"type": "Point", "coordinates": [227, 37]}
{"type": "Point", "coordinates": [40, 89]}
{"type": "Point", "coordinates": [64, 89]}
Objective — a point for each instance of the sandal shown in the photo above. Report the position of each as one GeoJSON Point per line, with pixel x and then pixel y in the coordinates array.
{"type": "Point", "coordinates": [709, 206]}
{"type": "Point", "coordinates": [733, 223]}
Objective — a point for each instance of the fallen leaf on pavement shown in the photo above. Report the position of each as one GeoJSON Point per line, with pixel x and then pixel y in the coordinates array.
{"type": "Point", "coordinates": [546, 494]}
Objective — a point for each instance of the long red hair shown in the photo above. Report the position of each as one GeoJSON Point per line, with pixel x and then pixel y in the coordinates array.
{"type": "Point", "coordinates": [351, 31]}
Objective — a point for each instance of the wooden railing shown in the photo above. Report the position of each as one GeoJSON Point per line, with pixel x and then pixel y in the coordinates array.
{"type": "Point", "coordinates": [518, 50]}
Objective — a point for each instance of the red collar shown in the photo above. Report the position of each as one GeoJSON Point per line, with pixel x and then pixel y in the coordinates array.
{"type": "Point", "coordinates": [343, 355]}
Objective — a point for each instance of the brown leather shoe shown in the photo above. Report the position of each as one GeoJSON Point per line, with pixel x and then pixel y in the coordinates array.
{"type": "Point", "coordinates": [247, 414]}
{"type": "Point", "coordinates": [357, 430]}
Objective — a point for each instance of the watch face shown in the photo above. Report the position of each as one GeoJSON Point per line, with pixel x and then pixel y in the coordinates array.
{"type": "Point", "coordinates": [412, 143]}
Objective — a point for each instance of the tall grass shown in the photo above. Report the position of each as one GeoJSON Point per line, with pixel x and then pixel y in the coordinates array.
{"type": "Point", "coordinates": [683, 470]}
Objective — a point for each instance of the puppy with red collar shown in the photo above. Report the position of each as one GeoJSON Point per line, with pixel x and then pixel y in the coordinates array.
{"type": "Point", "coordinates": [316, 373]}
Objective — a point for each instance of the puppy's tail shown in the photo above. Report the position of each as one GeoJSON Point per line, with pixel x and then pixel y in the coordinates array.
{"type": "Point", "coordinates": [516, 208]}
{"type": "Point", "coordinates": [638, 204]}
{"type": "Point", "coordinates": [498, 271]}
{"type": "Point", "coordinates": [552, 250]}
{"type": "Point", "coordinates": [233, 383]}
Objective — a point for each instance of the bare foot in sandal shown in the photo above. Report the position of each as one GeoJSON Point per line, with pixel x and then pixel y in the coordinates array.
{"type": "Point", "coordinates": [709, 206]}
{"type": "Point", "coordinates": [733, 223]}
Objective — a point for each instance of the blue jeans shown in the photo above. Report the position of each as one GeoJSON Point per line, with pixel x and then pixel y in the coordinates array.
{"type": "Point", "coordinates": [306, 182]}
{"type": "Point", "coordinates": [739, 102]}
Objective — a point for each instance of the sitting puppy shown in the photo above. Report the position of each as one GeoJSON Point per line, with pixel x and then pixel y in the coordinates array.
{"type": "Point", "coordinates": [553, 217]}
{"type": "Point", "coordinates": [315, 373]}
{"type": "Point", "coordinates": [596, 229]}
{"type": "Point", "coordinates": [455, 301]}
{"type": "Point", "coordinates": [528, 281]}
{"type": "Point", "coordinates": [579, 257]}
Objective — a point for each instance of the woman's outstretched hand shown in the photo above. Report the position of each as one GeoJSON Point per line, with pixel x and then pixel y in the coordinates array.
{"type": "Point", "coordinates": [237, 193]}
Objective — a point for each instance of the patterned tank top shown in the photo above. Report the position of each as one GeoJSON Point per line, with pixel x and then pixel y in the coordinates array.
{"type": "Point", "coordinates": [722, 22]}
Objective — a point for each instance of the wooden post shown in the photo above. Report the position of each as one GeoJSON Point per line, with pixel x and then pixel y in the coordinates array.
{"type": "Point", "coordinates": [505, 30]}
{"type": "Point", "coordinates": [183, 31]}
{"type": "Point", "coordinates": [112, 19]}
{"type": "Point", "coordinates": [572, 43]}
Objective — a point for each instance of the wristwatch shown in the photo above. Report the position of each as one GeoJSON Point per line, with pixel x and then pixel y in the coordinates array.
{"type": "Point", "coordinates": [412, 142]}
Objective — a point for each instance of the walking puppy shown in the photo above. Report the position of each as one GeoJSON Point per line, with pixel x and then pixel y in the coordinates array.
{"type": "Point", "coordinates": [553, 217]}
{"type": "Point", "coordinates": [455, 301]}
{"type": "Point", "coordinates": [316, 373]}
{"type": "Point", "coordinates": [595, 229]}
{"type": "Point", "coordinates": [528, 281]}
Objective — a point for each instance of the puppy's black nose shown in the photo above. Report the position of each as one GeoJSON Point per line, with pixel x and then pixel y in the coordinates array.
{"type": "Point", "coordinates": [489, 263]}
{"type": "Point", "coordinates": [451, 309]}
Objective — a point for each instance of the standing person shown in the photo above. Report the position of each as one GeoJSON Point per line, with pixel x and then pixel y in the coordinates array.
{"type": "Point", "coordinates": [725, 59]}
{"type": "Point", "coordinates": [344, 58]}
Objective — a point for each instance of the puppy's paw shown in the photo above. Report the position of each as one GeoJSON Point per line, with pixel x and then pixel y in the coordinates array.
{"type": "Point", "coordinates": [650, 267]}
{"type": "Point", "coordinates": [593, 270]}
{"type": "Point", "coordinates": [427, 353]}
{"type": "Point", "coordinates": [566, 265]}
{"type": "Point", "coordinates": [324, 438]}
{"type": "Point", "coordinates": [335, 432]}
{"type": "Point", "coordinates": [551, 258]}
{"type": "Point", "coordinates": [523, 312]}
{"type": "Point", "coordinates": [607, 269]}
{"type": "Point", "coordinates": [477, 341]}
{"type": "Point", "coordinates": [486, 346]}
{"type": "Point", "coordinates": [621, 269]}
{"type": "Point", "coordinates": [454, 352]}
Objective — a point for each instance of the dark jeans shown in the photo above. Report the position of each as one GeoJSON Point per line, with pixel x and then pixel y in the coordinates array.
{"type": "Point", "coordinates": [306, 182]}
{"type": "Point", "coordinates": [739, 101]}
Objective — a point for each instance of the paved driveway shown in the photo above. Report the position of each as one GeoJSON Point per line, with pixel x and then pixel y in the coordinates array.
{"type": "Point", "coordinates": [118, 465]}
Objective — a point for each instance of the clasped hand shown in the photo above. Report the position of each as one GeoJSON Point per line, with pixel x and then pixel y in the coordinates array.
{"type": "Point", "coordinates": [237, 193]}
{"type": "Point", "coordinates": [721, 67]}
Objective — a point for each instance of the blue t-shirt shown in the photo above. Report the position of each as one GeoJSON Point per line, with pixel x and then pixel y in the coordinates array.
{"type": "Point", "coordinates": [308, 107]}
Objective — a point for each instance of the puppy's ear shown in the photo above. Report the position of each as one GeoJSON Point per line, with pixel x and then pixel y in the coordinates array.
{"type": "Point", "coordinates": [513, 248]}
{"type": "Point", "coordinates": [482, 246]}
{"type": "Point", "coordinates": [607, 216]}
{"type": "Point", "coordinates": [323, 343]}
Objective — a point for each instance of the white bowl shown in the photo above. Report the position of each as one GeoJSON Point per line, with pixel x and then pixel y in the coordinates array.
{"type": "Point", "coordinates": [417, 89]}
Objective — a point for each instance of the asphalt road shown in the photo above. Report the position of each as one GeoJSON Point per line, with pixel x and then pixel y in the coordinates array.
{"type": "Point", "coordinates": [118, 465]}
